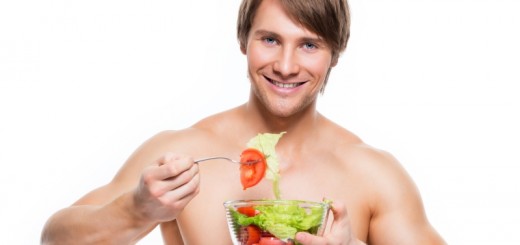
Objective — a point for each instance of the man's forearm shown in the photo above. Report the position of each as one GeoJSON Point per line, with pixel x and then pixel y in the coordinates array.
{"type": "Point", "coordinates": [113, 223]}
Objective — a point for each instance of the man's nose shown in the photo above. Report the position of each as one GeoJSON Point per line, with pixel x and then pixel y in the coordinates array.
{"type": "Point", "coordinates": [287, 63]}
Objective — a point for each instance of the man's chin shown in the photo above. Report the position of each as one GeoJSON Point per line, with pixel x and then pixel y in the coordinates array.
{"type": "Point", "coordinates": [283, 107]}
{"type": "Point", "coordinates": [284, 111]}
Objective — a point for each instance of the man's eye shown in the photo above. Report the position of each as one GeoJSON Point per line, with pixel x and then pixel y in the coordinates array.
{"type": "Point", "coordinates": [309, 46]}
{"type": "Point", "coordinates": [269, 40]}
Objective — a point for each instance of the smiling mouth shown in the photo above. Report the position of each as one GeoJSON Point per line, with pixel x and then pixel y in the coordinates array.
{"type": "Point", "coordinates": [284, 85]}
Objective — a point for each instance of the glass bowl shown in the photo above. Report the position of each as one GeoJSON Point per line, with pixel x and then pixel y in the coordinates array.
{"type": "Point", "coordinates": [274, 221]}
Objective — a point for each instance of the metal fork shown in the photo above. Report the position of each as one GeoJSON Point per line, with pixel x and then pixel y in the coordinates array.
{"type": "Point", "coordinates": [226, 158]}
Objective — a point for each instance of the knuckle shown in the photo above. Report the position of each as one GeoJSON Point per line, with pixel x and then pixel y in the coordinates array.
{"type": "Point", "coordinates": [177, 205]}
{"type": "Point", "coordinates": [148, 178]}
{"type": "Point", "coordinates": [172, 169]}
{"type": "Point", "coordinates": [155, 193]}
{"type": "Point", "coordinates": [167, 158]}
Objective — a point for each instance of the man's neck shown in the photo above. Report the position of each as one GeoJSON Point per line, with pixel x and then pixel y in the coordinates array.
{"type": "Point", "coordinates": [264, 121]}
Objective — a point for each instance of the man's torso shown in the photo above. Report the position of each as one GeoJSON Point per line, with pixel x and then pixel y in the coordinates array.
{"type": "Point", "coordinates": [323, 166]}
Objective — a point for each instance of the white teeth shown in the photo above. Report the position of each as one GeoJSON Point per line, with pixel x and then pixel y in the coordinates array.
{"type": "Point", "coordinates": [285, 85]}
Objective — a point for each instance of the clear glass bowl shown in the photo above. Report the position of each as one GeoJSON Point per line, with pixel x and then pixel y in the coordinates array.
{"type": "Point", "coordinates": [274, 221]}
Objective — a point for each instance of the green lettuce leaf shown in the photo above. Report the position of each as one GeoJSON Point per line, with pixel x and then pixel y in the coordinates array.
{"type": "Point", "coordinates": [266, 143]}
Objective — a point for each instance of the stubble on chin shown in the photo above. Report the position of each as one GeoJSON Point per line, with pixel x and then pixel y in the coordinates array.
{"type": "Point", "coordinates": [281, 107]}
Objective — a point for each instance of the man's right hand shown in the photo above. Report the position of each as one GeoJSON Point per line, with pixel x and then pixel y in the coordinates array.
{"type": "Point", "coordinates": [165, 188]}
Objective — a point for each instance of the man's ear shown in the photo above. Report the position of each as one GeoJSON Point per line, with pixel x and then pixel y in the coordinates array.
{"type": "Point", "coordinates": [243, 49]}
{"type": "Point", "coordinates": [334, 60]}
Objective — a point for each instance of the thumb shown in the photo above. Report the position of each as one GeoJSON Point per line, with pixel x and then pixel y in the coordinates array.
{"type": "Point", "coordinates": [308, 239]}
{"type": "Point", "coordinates": [340, 215]}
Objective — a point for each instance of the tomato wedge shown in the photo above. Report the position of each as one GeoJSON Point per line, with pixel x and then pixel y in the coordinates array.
{"type": "Point", "coordinates": [251, 174]}
{"type": "Point", "coordinates": [253, 235]}
{"type": "Point", "coordinates": [272, 241]}
{"type": "Point", "coordinates": [248, 211]}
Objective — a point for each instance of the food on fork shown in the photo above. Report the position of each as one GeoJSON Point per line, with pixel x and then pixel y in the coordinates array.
{"type": "Point", "coordinates": [252, 173]}
{"type": "Point", "coordinates": [264, 144]}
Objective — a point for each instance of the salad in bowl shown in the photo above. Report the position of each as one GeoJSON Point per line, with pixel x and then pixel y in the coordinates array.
{"type": "Point", "coordinates": [266, 222]}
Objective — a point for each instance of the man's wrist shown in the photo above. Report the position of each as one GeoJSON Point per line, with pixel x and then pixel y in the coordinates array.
{"type": "Point", "coordinates": [130, 211]}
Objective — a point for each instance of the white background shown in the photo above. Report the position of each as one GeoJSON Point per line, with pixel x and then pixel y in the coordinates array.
{"type": "Point", "coordinates": [434, 82]}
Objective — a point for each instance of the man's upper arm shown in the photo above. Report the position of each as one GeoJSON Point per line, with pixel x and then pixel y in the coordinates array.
{"type": "Point", "coordinates": [398, 215]}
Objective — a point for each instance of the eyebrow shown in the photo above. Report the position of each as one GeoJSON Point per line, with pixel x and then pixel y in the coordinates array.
{"type": "Point", "coordinates": [266, 33]}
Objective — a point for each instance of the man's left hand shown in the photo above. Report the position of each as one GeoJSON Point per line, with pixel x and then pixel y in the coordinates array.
{"type": "Point", "coordinates": [340, 232]}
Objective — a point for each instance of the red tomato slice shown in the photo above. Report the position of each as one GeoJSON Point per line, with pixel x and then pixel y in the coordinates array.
{"type": "Point", "coordinates": [251, 174]}
{"type": "Point", "coordinates": [248, 211]}
{"type": "Point", "coordinates": [271, 241]}
{"type": "Point", "coordinates": [253, 234]}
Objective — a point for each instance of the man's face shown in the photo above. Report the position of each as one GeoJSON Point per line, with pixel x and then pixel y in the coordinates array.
{"type": "Point", "coordinates": [287, 63]}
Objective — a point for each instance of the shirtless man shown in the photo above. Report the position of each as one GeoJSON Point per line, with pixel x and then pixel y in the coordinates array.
{"type": "Point", "coordinates": [290, 48]}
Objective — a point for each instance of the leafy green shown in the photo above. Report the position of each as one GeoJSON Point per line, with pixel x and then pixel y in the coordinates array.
{"type": "Point", "coordinates": [283, 221]}
{"type": "Point", "coordinates": [266, 144]}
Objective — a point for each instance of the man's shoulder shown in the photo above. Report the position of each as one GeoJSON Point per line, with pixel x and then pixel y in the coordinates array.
{"type": "Point", "coordinates": [380, 172]}
{"type": "Point", "coordinates": [346, 143]}
{"type": "Point", "coordinates": [359, 155]}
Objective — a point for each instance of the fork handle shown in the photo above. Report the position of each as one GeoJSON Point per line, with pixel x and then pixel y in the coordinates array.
{"type": "Point", "coordinates": [212, 158]}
